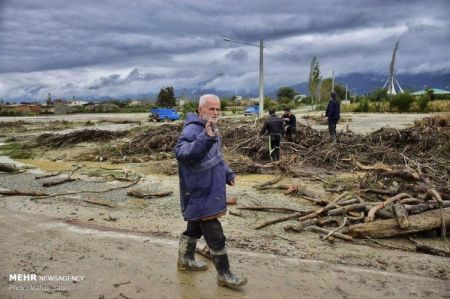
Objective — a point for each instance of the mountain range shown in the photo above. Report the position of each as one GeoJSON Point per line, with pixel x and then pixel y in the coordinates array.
{"type": "Point", "coordinates": [358, 83]}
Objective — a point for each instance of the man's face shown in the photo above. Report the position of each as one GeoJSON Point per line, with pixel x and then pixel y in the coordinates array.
{"type": "Point", "coordinates": [211, 109]}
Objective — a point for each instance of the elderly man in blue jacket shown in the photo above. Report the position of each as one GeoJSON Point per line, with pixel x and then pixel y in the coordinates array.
{"type": "Point", "coordinates": [203, 177]}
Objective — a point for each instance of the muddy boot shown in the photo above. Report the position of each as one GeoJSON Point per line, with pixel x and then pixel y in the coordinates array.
{"type": "Point", "coordinates": [186, 252]}
{"type": "Point", "coordinates": [333, 138]}
{"type": "Point", "coordinates": [224, 276]}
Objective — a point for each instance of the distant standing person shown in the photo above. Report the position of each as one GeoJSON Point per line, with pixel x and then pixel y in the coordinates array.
{"type": "Point", "coordinates": [290, 125]}
{"type": "Point", "coordinates": [333, 114]}
{"type": "Point", "coordinates": [203, 177]}
{"type": "Point", "coordinates": [274, 127]}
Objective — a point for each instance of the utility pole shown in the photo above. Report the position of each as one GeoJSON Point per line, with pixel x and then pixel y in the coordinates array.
{"type": "Point", "coordinates": [346, 92]}
{"type": "Point", "coordinates": [261, 70]}
{"type": "Point", "coordinates": [332, 80]}
{"type": "Point", "coordinates": [261, 77]}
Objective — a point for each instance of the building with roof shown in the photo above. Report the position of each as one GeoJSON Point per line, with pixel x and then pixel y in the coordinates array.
{"type": "Point", "coordinates": [436, 91]}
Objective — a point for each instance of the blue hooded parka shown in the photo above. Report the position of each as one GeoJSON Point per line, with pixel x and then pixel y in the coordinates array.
{"type": "Point", "coordinates": [202, 171]}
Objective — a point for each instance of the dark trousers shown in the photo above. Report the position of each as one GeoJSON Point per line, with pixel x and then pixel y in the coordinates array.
{"type": "Point", "coordinates": [291, 133]}
{"type": "Point", "coordinates": [211, 230]}
{"type": "Point", "coordinates": [332, 129]}
{"type": "Point", "coordinates": [274, 146]}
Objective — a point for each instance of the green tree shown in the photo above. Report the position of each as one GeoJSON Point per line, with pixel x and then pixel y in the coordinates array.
{"type": "Point", "coordinates": [166, 97]}
{"type": "Point", "coordinates": [286, 92]}
{"type": "Point", "coordinates": [430, 94]}
{"type": "Point", "coordinates": [340, 91]}
{"type": "Point", "coordinates": [314, 78]}
{"type": "Point", "coordinates": [325, 89]}
{"type": "Point", "coordinates": [223, 104]}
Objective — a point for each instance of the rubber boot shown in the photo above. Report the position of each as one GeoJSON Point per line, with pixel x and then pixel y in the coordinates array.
{"type": "Point", "coordinates": [333, 138]}
{"type": "Point", "coordinates": [186, 255]}
{"type": "Point", "coordinates": [224, 276]}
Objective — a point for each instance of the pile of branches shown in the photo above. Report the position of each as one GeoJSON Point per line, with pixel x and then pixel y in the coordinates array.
{"type": "Point", "coordinates": [75, 137]}
{"type": "Point", "coordinates": [407, 204]}
{"type": "Point", "coordinates": [156, 139]}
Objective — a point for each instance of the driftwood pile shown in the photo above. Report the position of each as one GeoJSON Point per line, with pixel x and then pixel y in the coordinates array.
{"type": "Point", "coordinates": [88, 135]}
{"type": "Point", "coordinates": [404, 203]}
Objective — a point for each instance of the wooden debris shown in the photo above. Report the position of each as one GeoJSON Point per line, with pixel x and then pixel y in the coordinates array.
{"type": "Point", "coordinates": [10, 168]}
{"type": "Point", "coordinates": [401, 215]}
{"type": "Point", "coordinates": [100, 202]}
{"type": "Point", "coordinates": [59, 182]}
{"type": "Point", "coordinates": [88, 191]}
{"type": "Point", "coordinates": [21, 193]}
{"type": "Point", "coordinates": [389, 228]}
{"type": "Point", "coordinates": [428, 249]}
{"type": "Point", "coordinates": [317, 229]}
{"type": "Point", "coordinates": [47, 175]}
{"type": "Point", "coordinates": [141, 194]}
{"type": "Point", "coordinates": [268, 183]}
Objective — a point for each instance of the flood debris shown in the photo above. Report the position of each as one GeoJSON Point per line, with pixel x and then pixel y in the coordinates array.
{"type": "Point", "coordinates": [143, 194]}
{"type": "Point", "coordinates": [75, 137]}
{"type": "Point", "coordinates": [21, 193]}
{"type": "Point", "coordinates": [99, 202]}
{"type": "Point", "coordinates": [8, 167]}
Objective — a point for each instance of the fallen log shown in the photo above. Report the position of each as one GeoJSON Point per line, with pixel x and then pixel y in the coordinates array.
{"type": "Point", "coordinates": [54, 183]}
{"type": "Point", "coordinates": [401, 215]}
{"type": "Point", "coordinates": [100, 202]}
{"type": "Point", "coordinates": [390, 228]}
{"type": "Point", "coordinates": [140, 194]}
{"type": "Point", "coordinates": [39, 177]}
{"type": "Point", "coordinates": [8, 168]}
{"type": "Point", "coordinates": [358, 207]}
{"type": "Point", "coordinates": [266, 208]}
{"type": "Point", "coordinates": [371, 215]}
{"type": "Point", "coordinates": [428, 249]}
{"type": "Point", "coordinates": [270, 182]}
{"type": "Point", "coordinates": [301, 226]}
{"type": "Point", "coordinates": [21, 193]}
{"type": "Point", "coordinates": [422, 207]}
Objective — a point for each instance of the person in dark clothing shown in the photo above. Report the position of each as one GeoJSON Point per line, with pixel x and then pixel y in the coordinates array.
{"type": "Point", "coordinates": [274, 127]}
{"type": "Point", "coordinates": [290, 122]}
{"type": "Point", "coordinates": [203, 177]}
{"type": "Point", "coordinates": [333, 114]}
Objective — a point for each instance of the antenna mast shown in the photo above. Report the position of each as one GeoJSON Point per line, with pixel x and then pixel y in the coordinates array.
{"type": "Point", "coordinates": [391, 82]}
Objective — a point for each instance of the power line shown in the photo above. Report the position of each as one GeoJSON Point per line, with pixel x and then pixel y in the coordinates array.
{"type": "Point", "coordinates": [287, 56]}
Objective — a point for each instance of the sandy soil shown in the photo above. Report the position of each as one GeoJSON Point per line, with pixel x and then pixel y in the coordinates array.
{"type": "Point", "coordinates": [136, 241]}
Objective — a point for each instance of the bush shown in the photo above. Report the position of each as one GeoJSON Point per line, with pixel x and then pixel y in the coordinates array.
{"type": "Point", "coordinates": [189, 107]}
{"type": "Point", "coordinates": [363, 106]}
{"type": "Point", "coordinates": [422, 103]}
{"type": "Point", "coordinates": [402, 102]}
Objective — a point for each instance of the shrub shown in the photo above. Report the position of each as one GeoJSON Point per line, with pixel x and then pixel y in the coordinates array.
{"type": "Point", "coordinates": [402, 102]}
{"type": "Point", "coordinates": [363, 106]}
{"type": "Point", "coordinates": [422, 103]}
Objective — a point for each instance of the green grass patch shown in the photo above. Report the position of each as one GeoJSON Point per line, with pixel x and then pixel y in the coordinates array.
{"type": "Point", "coordinates": [16, 150]}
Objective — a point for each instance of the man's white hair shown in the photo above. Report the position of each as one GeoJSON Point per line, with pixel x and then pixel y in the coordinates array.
{"type": "Point", "coordinates": [204, 97]}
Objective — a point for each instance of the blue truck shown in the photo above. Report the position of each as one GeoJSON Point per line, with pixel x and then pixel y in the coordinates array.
{"type": "Point", "coordinates": [163, 114]}
{"type": "Point", "coordinates": [251, 110]}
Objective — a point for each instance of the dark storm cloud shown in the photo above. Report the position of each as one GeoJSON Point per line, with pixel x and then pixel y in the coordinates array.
{"type": "Point", "coordinates": [120, 45]}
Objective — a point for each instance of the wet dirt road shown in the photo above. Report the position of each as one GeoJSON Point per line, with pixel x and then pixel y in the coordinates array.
{"type": "Point", "coordinates": [121, 264]}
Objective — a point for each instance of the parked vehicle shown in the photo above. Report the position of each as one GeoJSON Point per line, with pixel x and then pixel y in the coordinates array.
{"type": "Point", "coordinates": [251, 110]}
{"type": "Point", "coordinates": [163, 114]}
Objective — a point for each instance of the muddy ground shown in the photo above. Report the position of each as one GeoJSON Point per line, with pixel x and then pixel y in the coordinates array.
{"type": "Point", "coordinates": [136, 240]}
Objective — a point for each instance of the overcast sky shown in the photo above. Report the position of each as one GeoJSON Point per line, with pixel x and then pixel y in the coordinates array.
{"type": "Point", "coordinates": [98, 48]}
